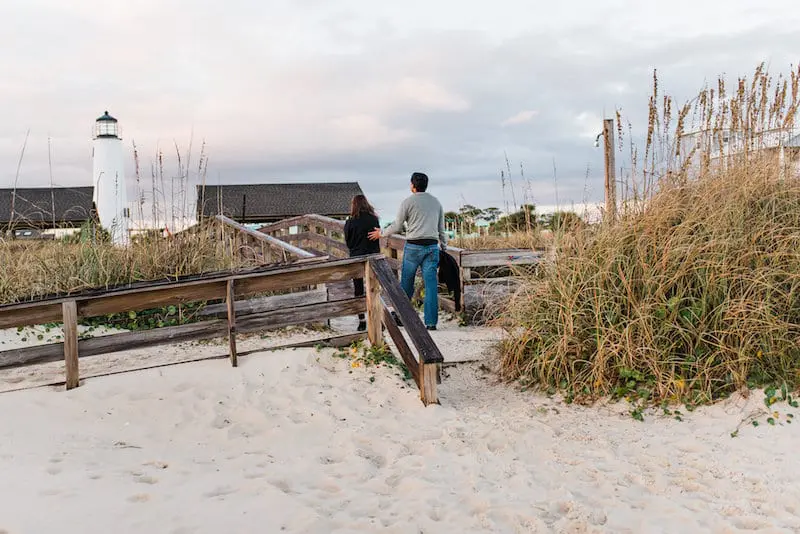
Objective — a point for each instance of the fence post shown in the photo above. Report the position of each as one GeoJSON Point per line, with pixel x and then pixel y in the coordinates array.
{"type": "Point", "coordinates": [69, 311]}
{"type": "Point", "coordinates": [428, 378]}
{"type": "Point", "coordinates": [231, 295]}
{"type": "Point", "coordinates": [374, 306]}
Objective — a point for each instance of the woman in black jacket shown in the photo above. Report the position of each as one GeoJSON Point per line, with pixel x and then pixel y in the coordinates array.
{"type": "Point", "coordinates": [362, 220]}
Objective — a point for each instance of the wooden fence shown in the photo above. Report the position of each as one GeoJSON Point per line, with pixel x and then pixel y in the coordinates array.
{"type": "Point", "coordinates": [320, 234]}
{"type": "Point", "coordinates": [233, 289]}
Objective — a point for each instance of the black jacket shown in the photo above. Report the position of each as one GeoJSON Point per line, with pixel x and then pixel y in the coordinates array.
{"type": "Point", "coordinates": [450, 276]}
{"type": "Point", "coordinates": [355, 235]}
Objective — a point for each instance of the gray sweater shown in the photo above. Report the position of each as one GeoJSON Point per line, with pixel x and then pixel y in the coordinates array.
{"type": "Point", "coordinates": [423, 216]}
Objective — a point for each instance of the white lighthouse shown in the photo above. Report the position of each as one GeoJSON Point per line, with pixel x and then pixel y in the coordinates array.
{"type": "Point", "coordinates": [108, 179]}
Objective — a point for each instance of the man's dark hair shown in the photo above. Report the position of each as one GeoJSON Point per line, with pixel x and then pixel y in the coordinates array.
{"type": "Point", "coordinates": [420, 181]}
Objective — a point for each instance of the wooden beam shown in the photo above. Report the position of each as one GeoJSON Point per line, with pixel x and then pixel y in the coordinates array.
{"type": "Point", "coordinates": [374, 307]}
{"type": "Point", "coordinates": [429, 377]}
{"type": "Point", "coordinates": [176, 334]}
{"type": "Point", "coordinates": [498, 258]}
{"type": "Point", "coordinates": [264, 304]}
{"type": "Point", "coordinates": [466, 274]}
{"type": "Point", "coordinates": [277, 243]}
{"type": "Point", "coordinates": [231, 304]}
{"type": "Point", "coordinates": [115, 343]}
{"type": "Point", "coordinates": [70, 320]}
{"type": "Point", "coordinates": [30, 314]}
{"type": "Point", "coordinates": [328, 243]}
{"type": "Point", "coordinates": [400, 342]}
{"type": "Point", "coordinates": [335, 342]}
{"type": "Point", "coordinates": [140, 296]}
{"type": "Point", "coordinates": [610, 214]}
{"type": "Point", "coordinates": [420, 337]}
{"type": "Point", "coordinates": [310, 277]}
{"type": "Point", "coordinates": [301, 315]}
{"type": "Point", "coordinates": [145, 299]}
{"type": "Point", "coordinates": [447, 304]}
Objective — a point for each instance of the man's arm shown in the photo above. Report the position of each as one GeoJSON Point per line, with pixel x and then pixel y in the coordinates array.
{"type": "Point", "coordinates": [442, 233]}
{"type": "Point", "coordinates": [395, 228]}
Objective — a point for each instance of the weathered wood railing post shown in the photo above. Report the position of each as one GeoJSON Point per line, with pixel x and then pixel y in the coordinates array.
{"type": "Point", "coordinates": [69, 311]}
{"type": "Point", "coordinates": [230, 297]}
{"type": "Point", "coordinates": [374, 306]}
{"type": "Point", "coordinates": [430, 358]}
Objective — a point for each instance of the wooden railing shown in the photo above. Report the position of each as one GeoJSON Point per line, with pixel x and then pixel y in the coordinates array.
{"type": "Point", "coordinates": [263, 247]}
{"type": "Point", "coordinates": [233, 289]}
{"type": "Point", "coordinates": [324, 235]}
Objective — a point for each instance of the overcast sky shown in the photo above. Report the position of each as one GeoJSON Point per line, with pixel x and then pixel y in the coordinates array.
{"type": "Point", "coordinates": [339, 90]}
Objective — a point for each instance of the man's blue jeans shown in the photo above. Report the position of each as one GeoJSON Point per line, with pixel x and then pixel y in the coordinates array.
{"type": "Point", "coordinates": [427, 257]}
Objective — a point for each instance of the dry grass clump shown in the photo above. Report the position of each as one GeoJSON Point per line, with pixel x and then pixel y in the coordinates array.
{"type": "Point", "coordinates": [695, 292]}
{"type": "Point", "coordinates": [35, 268]}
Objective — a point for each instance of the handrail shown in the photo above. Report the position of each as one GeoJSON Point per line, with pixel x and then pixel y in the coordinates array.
{"type": "Point", "coordinates": [272, 241]}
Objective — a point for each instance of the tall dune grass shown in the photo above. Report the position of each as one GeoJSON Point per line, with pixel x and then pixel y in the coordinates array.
{"type": "Point", "coordinates": [695, 292]}
{"type": "Point", "coordinates": [31, 269]}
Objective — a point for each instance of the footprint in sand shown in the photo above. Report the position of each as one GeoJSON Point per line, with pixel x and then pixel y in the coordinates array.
{"type": "Point", "coordinates": [53, 470]}
{"type": "Point", "coordinates": [281, 485]}
{"type": "Point", "coordinates": [146, 480]}
{"type": "Point", "coordinates": [220, 491]}
{"type": "Point", "coordinates": [139, 497]}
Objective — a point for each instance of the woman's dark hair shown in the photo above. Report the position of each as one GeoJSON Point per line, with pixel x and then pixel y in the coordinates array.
{"type": "Point", "coordinates": [360, 205]}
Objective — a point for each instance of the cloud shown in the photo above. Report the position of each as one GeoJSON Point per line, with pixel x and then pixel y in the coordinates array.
{"type": "Point", "coordinates": [310, 90]}
{"type": "Point", "coordinates": [520, 118]}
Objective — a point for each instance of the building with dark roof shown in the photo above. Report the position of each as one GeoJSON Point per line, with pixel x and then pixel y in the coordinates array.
{"type": "Point", "coordinates": [265, 203]}
{"type": "Point", "coordinates": [44, 207]}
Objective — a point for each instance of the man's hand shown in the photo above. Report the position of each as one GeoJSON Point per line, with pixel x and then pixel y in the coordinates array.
{"type": "Point", "coordinates": [375, 234]}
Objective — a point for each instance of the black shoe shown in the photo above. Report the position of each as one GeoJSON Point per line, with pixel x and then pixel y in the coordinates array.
{"type": "Point", "coordinates": [362, 325]}
{"type": "Point", "coordinates": [397, 319]}
{"type": "Point", "coordinates": [431, 327]}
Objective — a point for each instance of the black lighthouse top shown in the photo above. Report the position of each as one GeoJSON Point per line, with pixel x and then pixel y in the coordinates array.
{"type": "Point", "coordinates": [106, 126]}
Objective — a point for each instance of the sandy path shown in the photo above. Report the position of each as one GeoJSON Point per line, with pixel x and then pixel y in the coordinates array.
{"type": "Point", "coordinates": [294, 441]}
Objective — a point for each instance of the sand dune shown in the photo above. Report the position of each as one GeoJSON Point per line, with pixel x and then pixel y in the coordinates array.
{"type": "Point", "coordinates": [301, 441]}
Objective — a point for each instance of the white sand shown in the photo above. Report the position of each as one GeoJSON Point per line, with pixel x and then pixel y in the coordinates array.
{"type": "Point", "coordinates": [300, 441]}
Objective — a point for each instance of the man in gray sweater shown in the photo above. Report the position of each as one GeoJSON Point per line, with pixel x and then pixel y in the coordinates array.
{"type": "Point", "coordinates": [424, 219]}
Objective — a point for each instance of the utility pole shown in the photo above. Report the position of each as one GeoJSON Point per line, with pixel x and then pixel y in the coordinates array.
{"type": "Point", "coordinates": [610, 215]}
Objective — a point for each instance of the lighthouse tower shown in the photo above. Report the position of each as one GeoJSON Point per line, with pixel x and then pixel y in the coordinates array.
{"type": "Point", "coordinates": [108, 179]}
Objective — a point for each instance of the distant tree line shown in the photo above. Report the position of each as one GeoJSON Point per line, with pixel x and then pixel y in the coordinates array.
{"type": "Point", "coordinates": [466, 219]}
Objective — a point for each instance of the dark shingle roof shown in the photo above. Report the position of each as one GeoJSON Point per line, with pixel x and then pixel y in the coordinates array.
{"type": "Point", "coordinates": [34, 206]}
{"type": "Point", "coordinates": [268, 202]}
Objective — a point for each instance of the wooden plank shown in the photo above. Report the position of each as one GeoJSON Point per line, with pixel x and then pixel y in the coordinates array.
{"type": "Point", "coordinates": [466, 274]}
{"type": "Point", "coordinates": [335, 342]}
{"type": "Point", "coordinates": [277, 243]}
{"type": "Point", "coordinates": [374, 307]}
{"type": "Point", "coordinates": [30, 314]}
{"type": "Point", "coordinates": [429, 377]}
{"type": "Point", "coordinates": [497, 258]}
{"type": "Point", "coordinates": [231, 304]}
{"type": "Point", "coordinates": [177, 334]}
{"type": "Point", "coordinates": [301, 315]}
{"type": "Point", "coordinates": [264, 304]}
{"type": "Point", "coordinates": [163, 293]}
{"type": "Point", "coordinates": [70, 320]}
{"type": "Point", "coordinates": [319, 275]}
{"type": "Point", "coordinates": [447, 304]}
{"type": "Point", "coordinates": [325, 242]}
{"type": "Point", "coordinates": [114, 343]}
{"type": "Point", "coordinates": [400, 342]}
{"type": "Point", "coordinates": [420, 337]}
{"type": "Point", "coordinates": [500, 280]}
{"type": "Point", "coordinates": [148, 299]}
{"type": "Point", "coordinates": [334, 225]}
